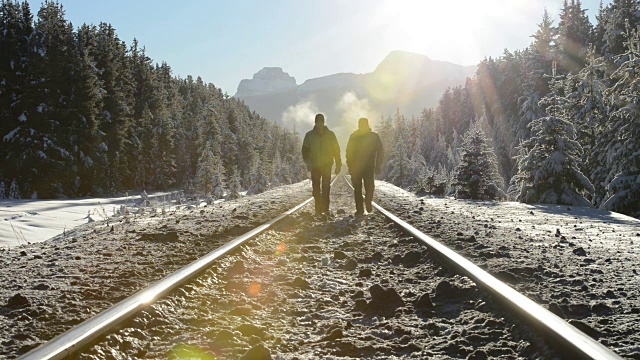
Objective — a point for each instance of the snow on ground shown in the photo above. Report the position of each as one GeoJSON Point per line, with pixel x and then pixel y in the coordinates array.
{"type": "Point", "coordinates": [31, 221]}
{"type": "Point", "coordinates": [580, 263]}
{"type": "Point", "coordinates": [48, 287]}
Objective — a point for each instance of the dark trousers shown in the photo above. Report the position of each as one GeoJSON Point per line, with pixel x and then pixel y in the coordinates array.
{"type": "Point", "coordinates": [357, 179]}
{"type": "Point", "coordinates": [321, 191]}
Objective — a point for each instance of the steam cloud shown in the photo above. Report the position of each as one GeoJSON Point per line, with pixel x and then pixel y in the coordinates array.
{"type": "Point", "coordinates": [300, 115]}
{"type": "Point", "coordinates": [352, 108]}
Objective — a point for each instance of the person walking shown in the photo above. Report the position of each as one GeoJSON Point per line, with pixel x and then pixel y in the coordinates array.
{"type": "Point", "coordinates": [320, 149]}
{"type": "Point", "coordinates": [364, 158]}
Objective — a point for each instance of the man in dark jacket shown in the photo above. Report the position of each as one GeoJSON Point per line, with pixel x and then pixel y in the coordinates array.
{"type": "Point", "coordinates": [364, 157]}
{"type": "Point", "coordinates": [319, 149]}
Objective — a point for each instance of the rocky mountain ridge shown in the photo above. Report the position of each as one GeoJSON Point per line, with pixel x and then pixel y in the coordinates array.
{"type": "Point", "coordinates": [403, 80]}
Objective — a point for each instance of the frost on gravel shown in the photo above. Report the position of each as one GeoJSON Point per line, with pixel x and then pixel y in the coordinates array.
{"type": "Point", "coordinates": [331, 289]}
{"type": "Point", "coordinates": [579, 262]}
{"type": "Point", "coordinates": [48, 287]}
{"type": "Point", "coordinates": [350, 288]}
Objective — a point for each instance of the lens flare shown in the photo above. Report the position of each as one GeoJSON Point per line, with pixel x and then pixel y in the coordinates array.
{"type": "Point", "coordinates": [281, 249]}
{"type": "Point", "coordinates": [254, 289]}
{"type": "Point", "coordinates": [186, 351]}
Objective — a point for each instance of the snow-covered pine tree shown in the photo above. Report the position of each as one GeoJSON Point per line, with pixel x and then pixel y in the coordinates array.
{"type": "Point", "coordinates": [442, 183]}
{"type": "Point", "coordinates": [235, 183]}
{"type": "Point", "coordinates": [83, 138]}
{"type": "Point", "coordinates": [548, 170]}
{"type": "Point", "coordinates": [3, 190]}
{"type": "Point", "coordinates": [623, 133]}
{"type": "Point", "coordinates": [543, 45]}
{"type": "Point", "coordinates": [477, 177]}
{"type": "Point", "coordinates": [14, 191]}
{"type": "Point", "coordinates": [16, 28]}
{"type": "Point", "coordinates": [110, 55]}
{"type": "Point", "coordinates": [399, 163]}
{"type": "Point", "coordinates": [621, 15]}
{"type": "Point", "coordinates": [574, 36]}
{"type": "Point", "coordinates": [585, 104]}
{"type": "Point", "coordinates": [218, 181]}
{"type": "Point", "coordinates": [258, 177]}
{"type": "Point", "coordinates": [210, 174]}
{"type": "Point", "coordinates": [438, 151]}
{"type": "Point", "coordinates": [385, 130]}
{"type": "Point", "coordinates": [418, 169]}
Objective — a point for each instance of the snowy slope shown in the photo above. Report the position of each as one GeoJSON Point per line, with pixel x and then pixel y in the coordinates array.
{"type": "Point", "coordinates": [34, 221]}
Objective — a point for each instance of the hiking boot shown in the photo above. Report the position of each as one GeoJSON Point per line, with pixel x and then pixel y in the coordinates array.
{"type": "Point", "coordinates": [359, 213]}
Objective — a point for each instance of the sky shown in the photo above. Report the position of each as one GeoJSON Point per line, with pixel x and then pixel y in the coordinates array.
{"type": "Point", "coordinates": [227, 41]}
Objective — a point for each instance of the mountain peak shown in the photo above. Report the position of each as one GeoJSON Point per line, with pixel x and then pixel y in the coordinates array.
{"type": "Point", "coordinates": [269, 80]}
{"type": "Point", "coordinates": [401, 54]}
{"type": "Point", "coordinates": [402, 59]}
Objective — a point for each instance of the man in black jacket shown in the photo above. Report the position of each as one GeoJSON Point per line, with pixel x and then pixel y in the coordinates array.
{"type": "Point", "coordinates": [319, 150]}
{"type": "Point", "coordinates": [364, 157]}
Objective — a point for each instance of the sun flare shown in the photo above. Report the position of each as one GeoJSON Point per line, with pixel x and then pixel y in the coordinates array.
{"type": "Point", "coordinates": [443, 29]}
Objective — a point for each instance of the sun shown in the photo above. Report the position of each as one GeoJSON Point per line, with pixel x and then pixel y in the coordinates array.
{"type": "Point", "coordinates": [440, 29]}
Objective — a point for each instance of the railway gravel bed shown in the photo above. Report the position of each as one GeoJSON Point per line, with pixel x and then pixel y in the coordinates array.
{"type": "Point", "coordinates": [582, 264]}
{"type": "Point", "coordinates": [47, 288]}
{"type": "Point", "coordinates": [343, 287]}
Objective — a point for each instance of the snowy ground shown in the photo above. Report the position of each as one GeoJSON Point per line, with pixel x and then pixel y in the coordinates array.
{"type": "Point", "coordinates": [580, 263]}
{"type": "Point", "coordinates": [326, 289]}
{"type": "Point", "coordinates": [31, 221]}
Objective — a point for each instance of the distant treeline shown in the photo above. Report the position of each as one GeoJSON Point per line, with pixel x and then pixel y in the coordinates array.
{"type": "Point", "coordinates": [82, 113]}
{"type": "Point", "coordinates": [562, 118]}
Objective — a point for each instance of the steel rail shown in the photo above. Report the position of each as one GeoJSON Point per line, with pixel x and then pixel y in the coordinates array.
{"type": "Point", "coordinates": [77, 338]}
{"type": "Point", "coordinates": [567, 339]}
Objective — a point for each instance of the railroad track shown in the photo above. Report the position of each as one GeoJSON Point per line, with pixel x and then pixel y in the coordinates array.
{"type": "Point", "coordinates": [341, 287]}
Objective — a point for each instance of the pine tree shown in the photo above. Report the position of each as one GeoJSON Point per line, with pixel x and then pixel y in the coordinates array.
{"type": "Point", "coordinates": [549, 173]}
{"type": "Point", "coordinates": [20, 138]}
{"type": "Point", "coordinates": [600, 28]}
{"type": "Point", "coordinates": [14, 190]}
{"type": "Point", "coordinates": [385, 130]}
{"type": "Point", "coordinates": [110, 55]}
{"type": "Point", "coordinates": [544, 38]}
{"type": "Point", "coordinates": [536, 65]}
{"type": "Point", "coordinates": [621, 14]}
{"type": "Point", "coordinates": [399, 163]}
{"type": "Point", "coordinates": [83, 138]}
{"type": "Point", "coordinates": [574, 36]}
{"type": "Point", "coordinates": [548, 170]}
{"type": "Point", "coordinates": [623, 134]}
{"type": "Point", "coordinates": [210, 174]}
{"type": "Point", "coordinates": [3, 191]}
{"type": "Point", "coordinates": [477, 177]}
{"type": "Point", "coordinates": [233, 191]}
{"type": "Point", "coordinates": [259, 179]}
{"type": "Point", "coordinates": [585, 104]}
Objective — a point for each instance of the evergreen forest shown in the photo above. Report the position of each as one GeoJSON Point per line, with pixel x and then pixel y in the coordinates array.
{"type": "Point", "coordinates": [82, 113]}
{"type": "Point", "coordinates": [560, 119]}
